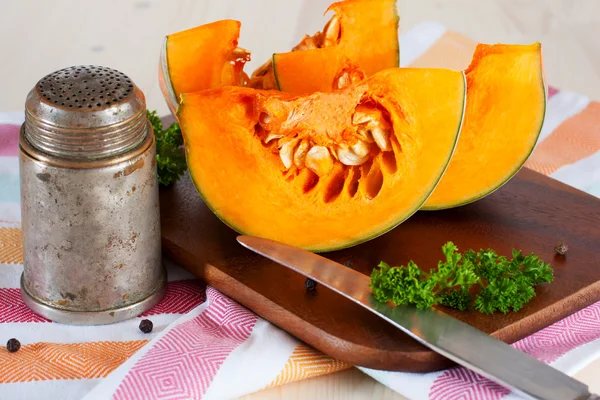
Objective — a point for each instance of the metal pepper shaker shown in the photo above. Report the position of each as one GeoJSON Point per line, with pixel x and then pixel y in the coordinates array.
{"type": "Point", "coordinates": [89, 199]}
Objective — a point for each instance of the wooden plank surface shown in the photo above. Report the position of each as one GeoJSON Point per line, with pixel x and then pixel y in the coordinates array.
{"type": "Point", "coordinates": [39, 37]}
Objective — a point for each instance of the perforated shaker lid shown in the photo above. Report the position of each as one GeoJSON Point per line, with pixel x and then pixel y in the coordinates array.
{"type": "Point", "coordinates": [85, 113]}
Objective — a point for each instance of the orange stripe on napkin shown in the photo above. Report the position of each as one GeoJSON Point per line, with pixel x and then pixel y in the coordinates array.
{"type": "Point", "coordinates": [576, 138]}
{"type": "Point", "coordinates": [452, 51]}
{"type": "Point", "coordinates": [11, 247]}
{"type": "Point", "coordinates": [50, 361]}
{"type": "Point", "coordinates": [306, 362]}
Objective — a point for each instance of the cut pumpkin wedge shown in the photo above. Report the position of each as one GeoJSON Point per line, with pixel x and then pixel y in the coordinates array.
{"type": "Point", "coordinates": [203, 57]}
{"type": "Point", "coordinates": [364, 31]}
{"type": "Point", "coordinates": [323, 171]}
{"type": "Point", "coordinates": [506, 104]}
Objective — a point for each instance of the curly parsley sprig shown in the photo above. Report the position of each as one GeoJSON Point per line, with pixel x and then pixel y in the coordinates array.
{"type": "Point", "coordinates": [170, 156]}
{"type": "Point", "coordinates": [483, 280]}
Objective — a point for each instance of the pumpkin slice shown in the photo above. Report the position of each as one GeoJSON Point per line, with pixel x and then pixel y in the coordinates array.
{"type": "Point", "coordinates": [364, 31]}
{"type": "Point", "coordinates": [506, 104]}
{"type": "Point", "coordinates": [327, 170]}
{"type": "Point", "coordinates": [200, 58]}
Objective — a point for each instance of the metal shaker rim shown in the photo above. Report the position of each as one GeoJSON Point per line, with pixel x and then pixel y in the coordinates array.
{"type": "Point", "coordinates": [38, 155]}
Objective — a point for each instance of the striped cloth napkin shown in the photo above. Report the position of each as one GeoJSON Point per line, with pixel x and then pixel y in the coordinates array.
{"type": "Point", "coordinates": [204, 345]}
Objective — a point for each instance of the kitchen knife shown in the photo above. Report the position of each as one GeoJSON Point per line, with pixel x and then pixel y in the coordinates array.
{"type": "Point", "coordinates": [435, 329]}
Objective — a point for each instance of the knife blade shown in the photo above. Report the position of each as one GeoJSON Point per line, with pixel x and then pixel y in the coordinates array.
{"type": "Point", "coordinates": [435, 329]}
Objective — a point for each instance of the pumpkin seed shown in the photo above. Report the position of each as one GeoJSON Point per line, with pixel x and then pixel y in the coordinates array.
{"type": "Point", "coordinates": [343, 81]}
{"type": "Point", "coordinates": [264, 118]}
{"type": "Point", "coordinates": [349, 157]}
{"type": "Point", "coordinates": [364, 115]}
{"type": "Point", "coordinates": [372, 125]}
{"type": "Point", "coordinates": [348, 78]}
{"type": "Point", "coordinates": [361, 148]}
{"type": "Point", "coordinates": [319, 160]}
{"type": "Point", "coordinates": [239, 54]}
{"type": "Point", "coordinates": [349, 75]}
{"type": "Point", "coordinates": [331, 32]}
{"type": "Point", "coordinates": [272, 136]}
{"type": "Point", "coordinates": [287, 152]}
{"type": "Point", "coordinates": [300, 154]}
{"type": "Point", "coordinates": [381, 138]}
{"type": "Point", "coordinates": [364, 134]}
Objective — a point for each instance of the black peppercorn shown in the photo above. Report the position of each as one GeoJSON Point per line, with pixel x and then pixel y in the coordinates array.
{"type": "Point", "coordinates": [13, 345]}
{"type": "Point", "coordinates": [349, 264]}
{"type": "Point", "coordinates": [310, 285]}
{"type": "Point", "coordinates": [561, 248]}
{"type": "Point", "coordinates": [146, 326]}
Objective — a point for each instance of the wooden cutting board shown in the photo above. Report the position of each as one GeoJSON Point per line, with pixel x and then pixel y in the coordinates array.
{"type": "Point", "coordinates": [531, 213]}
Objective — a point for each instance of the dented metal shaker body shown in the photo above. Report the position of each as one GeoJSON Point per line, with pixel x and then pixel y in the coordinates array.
{"type": "Point", "coordinates": [89, 198]}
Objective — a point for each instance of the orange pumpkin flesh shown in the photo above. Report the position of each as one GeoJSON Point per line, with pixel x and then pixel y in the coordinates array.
{"type": "Point", "coordinates": [368, 36]}
{"type": "Point", "coordinates": [506, 103]}
{"type": "Point", "coordinates": [200, 58]}
{"type": "Point", "coordinates": [323, 204]}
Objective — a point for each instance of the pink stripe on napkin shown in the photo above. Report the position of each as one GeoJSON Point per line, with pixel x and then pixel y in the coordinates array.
{"type": "Point", "coordinates": [551, 343]}
{"type": "Point", "coordinates": [13, 309]}
{"type": "Point", "coordinates": [464, 384]}
{"type": "Point", "coordinates": [183, 363]}
{"type": "Point", "coordinates": [551, 91]}
{"type": "Point", "coordinates": [180, 298]}
{"type": "Point", "coordinates": [9, 140]}
{"type": "Point", "coordinates": [547, 345]}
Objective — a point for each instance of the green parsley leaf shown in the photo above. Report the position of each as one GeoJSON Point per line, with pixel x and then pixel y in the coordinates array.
{"type": "Point", "coordinates": [456, 298]}
{"type": "Point", "coordinates": [170, 156]}
{"type": "Point", "coordinates": [483, 279]}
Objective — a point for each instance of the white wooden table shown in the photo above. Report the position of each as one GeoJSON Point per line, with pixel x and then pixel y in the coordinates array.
{"type": "Point", "coordinates": [38, 37]}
